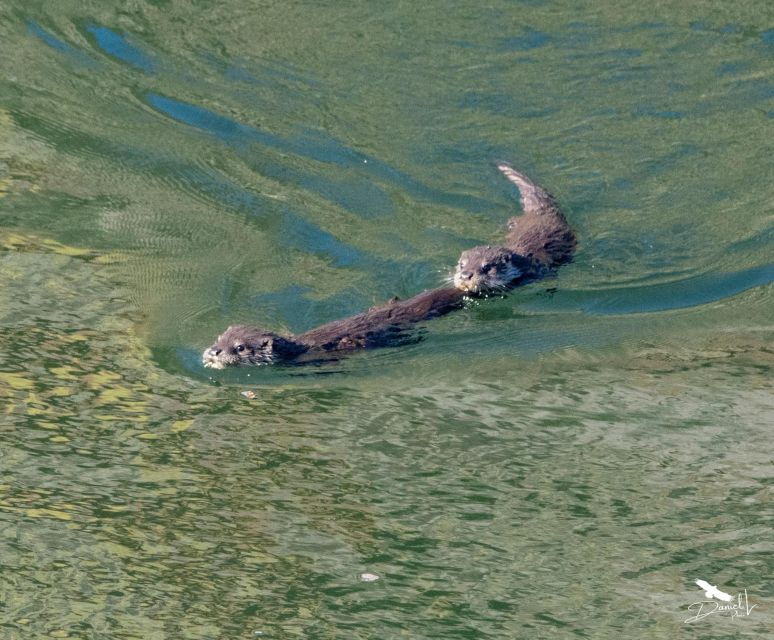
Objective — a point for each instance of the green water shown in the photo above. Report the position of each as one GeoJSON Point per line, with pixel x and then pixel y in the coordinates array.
{"type": "Point", "coordinates": [561, 463]}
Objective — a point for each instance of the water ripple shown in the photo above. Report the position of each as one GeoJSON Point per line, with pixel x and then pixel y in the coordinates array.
{"type": "Point", "coordinates": [690, 292]}
{"type": "Point", "coordinates": [118, 46]}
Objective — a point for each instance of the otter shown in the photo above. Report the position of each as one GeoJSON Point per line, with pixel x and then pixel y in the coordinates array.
{"type": "Point", "coordinates": [537, 243]}
{"type": "Point", "coordinates": [389, 324]}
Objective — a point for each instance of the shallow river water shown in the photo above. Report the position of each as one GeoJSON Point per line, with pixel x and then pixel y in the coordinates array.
{"type": "Point", "coordinates": [563, 462]}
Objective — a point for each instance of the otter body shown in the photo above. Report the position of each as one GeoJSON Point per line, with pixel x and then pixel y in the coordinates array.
{"type": "Point", "coordinates": [542, 233]}
{"type": "Point", "coordinates": [383, 325]}
{"type": "Point", "coordinates": [537, 243]}
{"type": "Point", "coordinates": [386, 325]}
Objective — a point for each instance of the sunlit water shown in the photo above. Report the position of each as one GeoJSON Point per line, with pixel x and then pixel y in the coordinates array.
{"type": "Point", "coordinates": [561, 463]}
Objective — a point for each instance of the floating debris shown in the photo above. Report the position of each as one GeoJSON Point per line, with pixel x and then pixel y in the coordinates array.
{"type": "Point", "coordinates": [249, 394]}
{"type": "Point", "coordinates": [368, 577]}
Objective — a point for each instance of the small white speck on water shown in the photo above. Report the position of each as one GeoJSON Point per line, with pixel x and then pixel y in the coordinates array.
{"type": "Point", "coordinates": [248, 394]}
{"type": "Point", "coordinates": [368, 577]}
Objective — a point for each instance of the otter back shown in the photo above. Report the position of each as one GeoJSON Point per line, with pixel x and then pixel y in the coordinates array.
{"type": "Point", "coordinates": [542, 232]}
{"type": "Point", "coordinates": [384, 325]}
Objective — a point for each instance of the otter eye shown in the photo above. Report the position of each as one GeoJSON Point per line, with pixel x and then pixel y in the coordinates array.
{"type": "Point", "coordinates": [240, 348]}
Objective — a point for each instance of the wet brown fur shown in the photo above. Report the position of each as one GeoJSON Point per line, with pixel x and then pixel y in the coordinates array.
{"type": "Point", "coordinates": [541, 233]}
{"type": "Point", "coordinates": [382, 325]}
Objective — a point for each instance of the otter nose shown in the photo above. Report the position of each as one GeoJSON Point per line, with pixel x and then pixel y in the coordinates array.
{"type": "Point", "coordinates": [215, 351]}
{"type": "Point", "coordinates": [466, 275]}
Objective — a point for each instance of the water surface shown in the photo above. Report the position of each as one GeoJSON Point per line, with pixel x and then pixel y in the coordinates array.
{"type": "Point", "coordinates": [561, 463]}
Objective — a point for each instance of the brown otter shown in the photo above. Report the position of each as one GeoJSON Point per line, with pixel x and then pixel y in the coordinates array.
{"type": "Point", "coordinates": [386, 325]}
{"type": "Point", "coordinates": [537, 243]}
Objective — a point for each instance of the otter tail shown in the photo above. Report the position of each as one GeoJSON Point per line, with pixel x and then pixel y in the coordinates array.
{"type": "Point", "coordinates": [534, 199]}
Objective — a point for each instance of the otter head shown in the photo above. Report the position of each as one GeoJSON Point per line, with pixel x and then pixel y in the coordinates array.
{"type": "Point", "coordinates": [241, 344]}
{"type": "Point", "coordinates": [487, 269]}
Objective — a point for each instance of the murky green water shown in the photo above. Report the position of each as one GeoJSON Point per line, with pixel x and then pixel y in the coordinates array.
{"type": "Point", "coordinates": [561, 463]}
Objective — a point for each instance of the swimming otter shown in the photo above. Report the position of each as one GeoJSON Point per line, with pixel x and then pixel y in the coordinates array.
{"type": "Point", "coordinates": [386, 325]}
{"type": "Point", "coordinates": [537, 243]}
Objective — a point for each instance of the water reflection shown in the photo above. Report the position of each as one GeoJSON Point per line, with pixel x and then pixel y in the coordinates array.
{"type": "Point", "coordinates": [116, 45]}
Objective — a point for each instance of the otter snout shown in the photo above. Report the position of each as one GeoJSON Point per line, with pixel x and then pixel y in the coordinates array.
{"type": "Point", "coordinates": [210, 357]}
{"type": "Point", "coordinates": [467, 281]}
{"type": "Point", "coordinates": [486, 269]}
